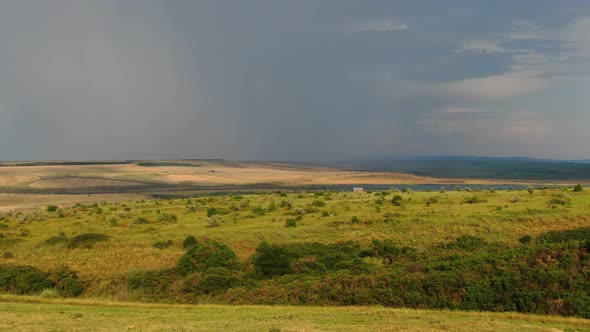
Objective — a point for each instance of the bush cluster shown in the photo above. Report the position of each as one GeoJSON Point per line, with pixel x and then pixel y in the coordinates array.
{"type": "Point", "coordinates": [27, 280]}
{"type": "Point", "coordinates": [548, 275]}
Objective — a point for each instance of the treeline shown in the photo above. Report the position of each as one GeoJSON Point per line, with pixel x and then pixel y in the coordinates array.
{"type": "Point", "coordinates": [166, 163]}
{"type": "Point", "coordinates": [64, 163]}
{"type": "Point", "coordinates": [549, 274]}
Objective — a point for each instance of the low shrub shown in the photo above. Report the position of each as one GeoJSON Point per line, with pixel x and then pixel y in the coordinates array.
{"type": "Point", "coordinates": [163, 244]}
{"type": "Point", "coordinates": [51, 208]}
{"type": "Point", "coordinates": [58, 239]}
{"type": "Point", "coordinates": [466, 242]}
{"type": "Point", "coordinates": [212, 211]}
{"type": "Point", "coordinates": [318, 203]}
{"type": "Point", "coordinates": [151, 284]}
{"type": "Point", "coordinates": [272, 260]}
{"type": "Point", "coordinates": [86, 240]}
{"type": "Point", "coordinates": [397, 200]}
{"type": "Point", "coordinates": [27, 280]}
{"type": "Point", "coordinates": [431, 200]}
{"type": "Point", "coordinates": [167, 217]}
{"type": "Point", "coordinates": [559, 201]}
{"type": "Point", "coordinates": [291, 223]}
{"type": "Point", "coordinates": [578, 234]}
{"type": "Point", "coordinates": [189, 242]}
{"type": "Point", "coordinates": [474, 200]}
{"type": "Point", "coordinates": [525, 239]}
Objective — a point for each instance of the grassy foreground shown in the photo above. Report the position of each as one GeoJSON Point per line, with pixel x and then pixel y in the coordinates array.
{"type": "Point", "coordinates": [37, 314]}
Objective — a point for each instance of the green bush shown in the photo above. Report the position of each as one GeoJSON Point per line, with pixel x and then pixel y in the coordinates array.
{"type": "Point", "coordinates": [559, 201]}
{"type": "Point", "coordinates": [291, 223]}
{"type": "Point", "coordinates": [272, 260]}
{"type": "Point", "coordinates": [259, 211]}
{"type": "Point", "coordinates": [212, 211]}
{"type": "Point", "coordinates": [70, 287]}
{"type": "Point", "coordinates": [474, 200]}
{"type": "Point", "coordinates": [386, 249]}
{"type": "Point", "coordinates": [67, 283]}
{"type": "Point", "coordinates": [86, 240]}
{"type": "Point", "coordinates": [397, 200]}
{"type": "Point", "coordinates": [51, 208]}
{"type": "Point", "coordinates": [27, 280]}
{"type": "Point", "coordinates": [151, 284]}
{"type": "Point", "coordinates": [217, 280]}
{"type": "Point", "coordinates": [578, 234]}
{"type": "Point", "coordinates": [466, 242]}
{"type": "Point", "coordinates": [189, 242]}
{"type": "Point", "coordinates": [23, 280]}
{"type": "Point", "coordinates": [431, 200]}
{"type": "Point", "coordinates": [167, 217]}
{"type": "Point", "coordinates": [163, 244]}
{"type": "Point", "coordinates": [525, 239]}
{"type": "Point", "coordinates": [58, 239]}
{"type": "Point", "coordinates": [207, 255]}
{"type": "Point", "coordinates": [578, 188]}
{"type": "Point", "coordinates": [318, 203]}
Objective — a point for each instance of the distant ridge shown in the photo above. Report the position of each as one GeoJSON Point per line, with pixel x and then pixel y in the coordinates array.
{"type": "Point", "coordinates": [482, 158]}
{"type": "Point", "coordinates": [504, 168]}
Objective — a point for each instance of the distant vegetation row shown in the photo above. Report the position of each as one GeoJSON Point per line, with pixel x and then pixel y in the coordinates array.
{"type": "Point", "coordinates": [83, 163]}
{"type": "Point", "coordinates": [64, 163]}
{"type": "Point", "coordinates": [481, 169]}
{"type": "Point", "coordinates": [166, 163]}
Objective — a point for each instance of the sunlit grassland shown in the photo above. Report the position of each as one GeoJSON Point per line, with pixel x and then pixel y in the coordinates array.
{"type": "Point", "coordinates": [37, 314]}
{"type": "Point", "coordinates": [251, 219]}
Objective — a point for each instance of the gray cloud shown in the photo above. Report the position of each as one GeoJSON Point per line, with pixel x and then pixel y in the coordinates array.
{"type": "Point", "coordinates": [291, 80]}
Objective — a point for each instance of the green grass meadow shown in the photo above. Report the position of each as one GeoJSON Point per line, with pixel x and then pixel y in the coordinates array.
{"type": "Point", "coordinates": [35, 314]}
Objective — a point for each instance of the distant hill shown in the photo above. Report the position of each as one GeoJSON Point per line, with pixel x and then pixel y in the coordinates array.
{"type": "Point", "coordinates": [507, 168]}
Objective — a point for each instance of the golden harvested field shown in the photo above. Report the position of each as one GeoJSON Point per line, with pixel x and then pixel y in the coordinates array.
{"type": "Point", "coordinates": [27, 187]}
{"type": "Point", "coordinates": [208, 174]}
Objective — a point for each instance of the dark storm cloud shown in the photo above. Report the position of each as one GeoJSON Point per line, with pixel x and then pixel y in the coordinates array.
{"type": "Point", "coordinates": [286, 79]}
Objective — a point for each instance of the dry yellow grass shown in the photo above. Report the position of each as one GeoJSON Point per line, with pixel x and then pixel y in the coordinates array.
{"type": "Point", "coordinates": [79, 183]}
{"type": "Point", "coordinates": [10, 202]}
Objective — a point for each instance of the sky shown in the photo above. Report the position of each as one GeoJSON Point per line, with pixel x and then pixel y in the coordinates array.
{"type": "Point", "coordinates": [299, 80]}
